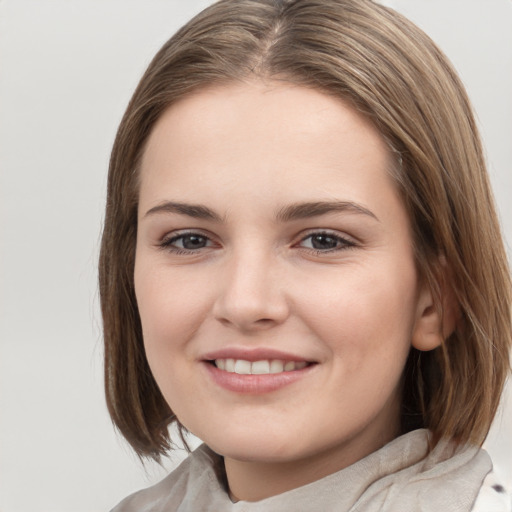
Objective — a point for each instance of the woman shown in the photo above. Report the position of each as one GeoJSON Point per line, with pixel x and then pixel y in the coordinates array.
{"type": "Point", "coordinates": [302, 265]}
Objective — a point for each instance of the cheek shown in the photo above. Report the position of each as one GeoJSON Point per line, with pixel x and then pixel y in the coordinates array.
{"type": "Point", "coordinates": [369, 303]}
{"type": "Point", "coordinates": [167, 301]}
{"type": "Point", "coordinates": [170, 312]}
{"type": "Point", "coordinates": [366, 321]}
{"type": "Point", "coordinates": [169, 318]}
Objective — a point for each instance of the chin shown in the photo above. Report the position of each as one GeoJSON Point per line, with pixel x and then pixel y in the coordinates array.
{"type": "Point", "coordinates": [254, 447]}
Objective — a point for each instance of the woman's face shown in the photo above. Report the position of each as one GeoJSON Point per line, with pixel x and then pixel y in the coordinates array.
{"type": "Point", "coordinates": [275, 275]}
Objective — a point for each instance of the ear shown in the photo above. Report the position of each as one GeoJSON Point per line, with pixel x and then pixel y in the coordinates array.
{"type": "Point", "coordinates": [435, 324]}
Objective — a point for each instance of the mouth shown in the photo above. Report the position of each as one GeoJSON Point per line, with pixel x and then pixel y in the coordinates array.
{"type": "Point", "coordinates": [261, 367]}
{"type": "Point", "coordinates": [256, 371]}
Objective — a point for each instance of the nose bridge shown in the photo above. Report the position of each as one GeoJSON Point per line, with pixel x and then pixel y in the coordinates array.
{"type": "Point", "coordinates": [251, 293]}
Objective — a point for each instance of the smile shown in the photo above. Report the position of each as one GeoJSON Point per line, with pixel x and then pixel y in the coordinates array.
{"type": "Point", "coordinates": [256, 371]}
{"type": "Point", "coordinates": [263, 367]}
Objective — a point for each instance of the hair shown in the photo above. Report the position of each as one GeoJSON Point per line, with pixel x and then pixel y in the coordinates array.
{"type": "Point", "coordinates": [392, 73]}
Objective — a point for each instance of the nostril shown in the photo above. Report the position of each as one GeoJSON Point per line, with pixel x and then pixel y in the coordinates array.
{"type": "Point", "coordinates": [250, 310]}
{"type": "Point", "coordinates": [226, 322]}
{"type": "Point", "coordinates": [261, 323]}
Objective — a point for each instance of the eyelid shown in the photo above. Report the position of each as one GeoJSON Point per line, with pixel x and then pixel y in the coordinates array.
{"type": "Point", "coordinates": [347, 241]}
{"type": "Point", "coordinates": [165, 242]}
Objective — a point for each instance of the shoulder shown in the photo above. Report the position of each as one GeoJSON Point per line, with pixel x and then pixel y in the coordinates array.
{"type": "Point", "coordinates": [493, 496]}
{"type": "Point", "coordinates": [196, 476]}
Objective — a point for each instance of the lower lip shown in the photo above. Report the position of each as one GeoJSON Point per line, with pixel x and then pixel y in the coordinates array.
{"type": "Point", "coordinates": [255, 384]}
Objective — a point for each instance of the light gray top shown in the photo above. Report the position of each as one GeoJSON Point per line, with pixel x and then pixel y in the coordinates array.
{"type": "Point", "coordinates": [400, 477]}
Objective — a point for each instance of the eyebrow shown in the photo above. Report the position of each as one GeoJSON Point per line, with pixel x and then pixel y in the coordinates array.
{"type": "Point", "coordinates": [197, 211]}
{"type": "Point", "coordinates": [305, 210]}
{"type": "Point", "coordinates": [288, 213]}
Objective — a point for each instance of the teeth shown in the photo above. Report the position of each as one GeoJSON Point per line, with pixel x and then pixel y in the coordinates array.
{"type": "Point", "coordinates": [276, 366]}
{"type": "Point", "coordinates": [264, 367]}
{"type": "Point", "coordinates": [260, 367]}
{"type": "Point", "coordinates": [289, 366]}
{"type": "Point", "coordinates": [243, 367]}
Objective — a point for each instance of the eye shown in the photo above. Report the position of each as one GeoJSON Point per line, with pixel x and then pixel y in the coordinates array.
{"type": "Point", "coordinates": [325, 242]}
{"type": "Point", "coordinates": [186, 242]}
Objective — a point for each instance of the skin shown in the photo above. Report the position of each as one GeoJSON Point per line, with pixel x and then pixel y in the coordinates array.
{"type": "Point", "coordinates": [350, 303]}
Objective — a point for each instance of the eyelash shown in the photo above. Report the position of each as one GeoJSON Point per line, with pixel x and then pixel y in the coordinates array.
{"type": "Point", "coordinates": [167, 243]}
{"type": "Point", "coordinates": [341, 242]}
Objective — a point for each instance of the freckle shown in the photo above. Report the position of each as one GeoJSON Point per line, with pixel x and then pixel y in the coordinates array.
{"type": "Point", "coordinates": [499, 488]}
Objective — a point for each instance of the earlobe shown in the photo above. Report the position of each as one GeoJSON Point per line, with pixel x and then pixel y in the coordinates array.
{"type": "Point", "coordinates": [434, 325]}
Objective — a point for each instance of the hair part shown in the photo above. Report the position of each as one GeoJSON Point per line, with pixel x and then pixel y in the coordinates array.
{"type": "Point", "coordinates": [392, 73]}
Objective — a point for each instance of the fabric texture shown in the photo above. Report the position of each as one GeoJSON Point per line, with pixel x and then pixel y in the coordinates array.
{"type": "Point", "coordinates": [400, 477]}
{"type": "Point", "coordinates": [493, 496]}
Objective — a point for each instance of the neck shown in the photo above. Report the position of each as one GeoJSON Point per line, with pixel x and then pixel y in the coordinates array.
{"type": "Point", "coordinates": [257, 480]}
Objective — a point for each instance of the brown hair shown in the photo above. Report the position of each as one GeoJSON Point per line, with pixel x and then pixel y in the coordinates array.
{"type": "Point", "coordinates": [391, 72]}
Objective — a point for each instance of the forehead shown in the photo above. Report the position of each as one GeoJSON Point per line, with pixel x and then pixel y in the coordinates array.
{"type": "Point", "coordinates": [271, 141]}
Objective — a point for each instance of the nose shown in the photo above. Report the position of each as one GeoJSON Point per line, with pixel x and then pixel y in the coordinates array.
{"type": "Point", "coordinates": [251, 294]}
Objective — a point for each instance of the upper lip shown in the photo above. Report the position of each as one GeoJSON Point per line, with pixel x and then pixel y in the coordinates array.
{"type": "Point", "coordinates": [253, 354]}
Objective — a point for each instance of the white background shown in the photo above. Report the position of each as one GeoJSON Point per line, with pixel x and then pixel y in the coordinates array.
{"type": "Point", "coordinates": [67, 70]}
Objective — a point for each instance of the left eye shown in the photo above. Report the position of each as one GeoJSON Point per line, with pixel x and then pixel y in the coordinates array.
{"type": "Point", "coordinates": [325, 242]}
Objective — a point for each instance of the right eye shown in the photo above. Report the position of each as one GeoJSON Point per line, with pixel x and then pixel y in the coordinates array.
{"type": "Point", "coordinates": [186, 243]}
